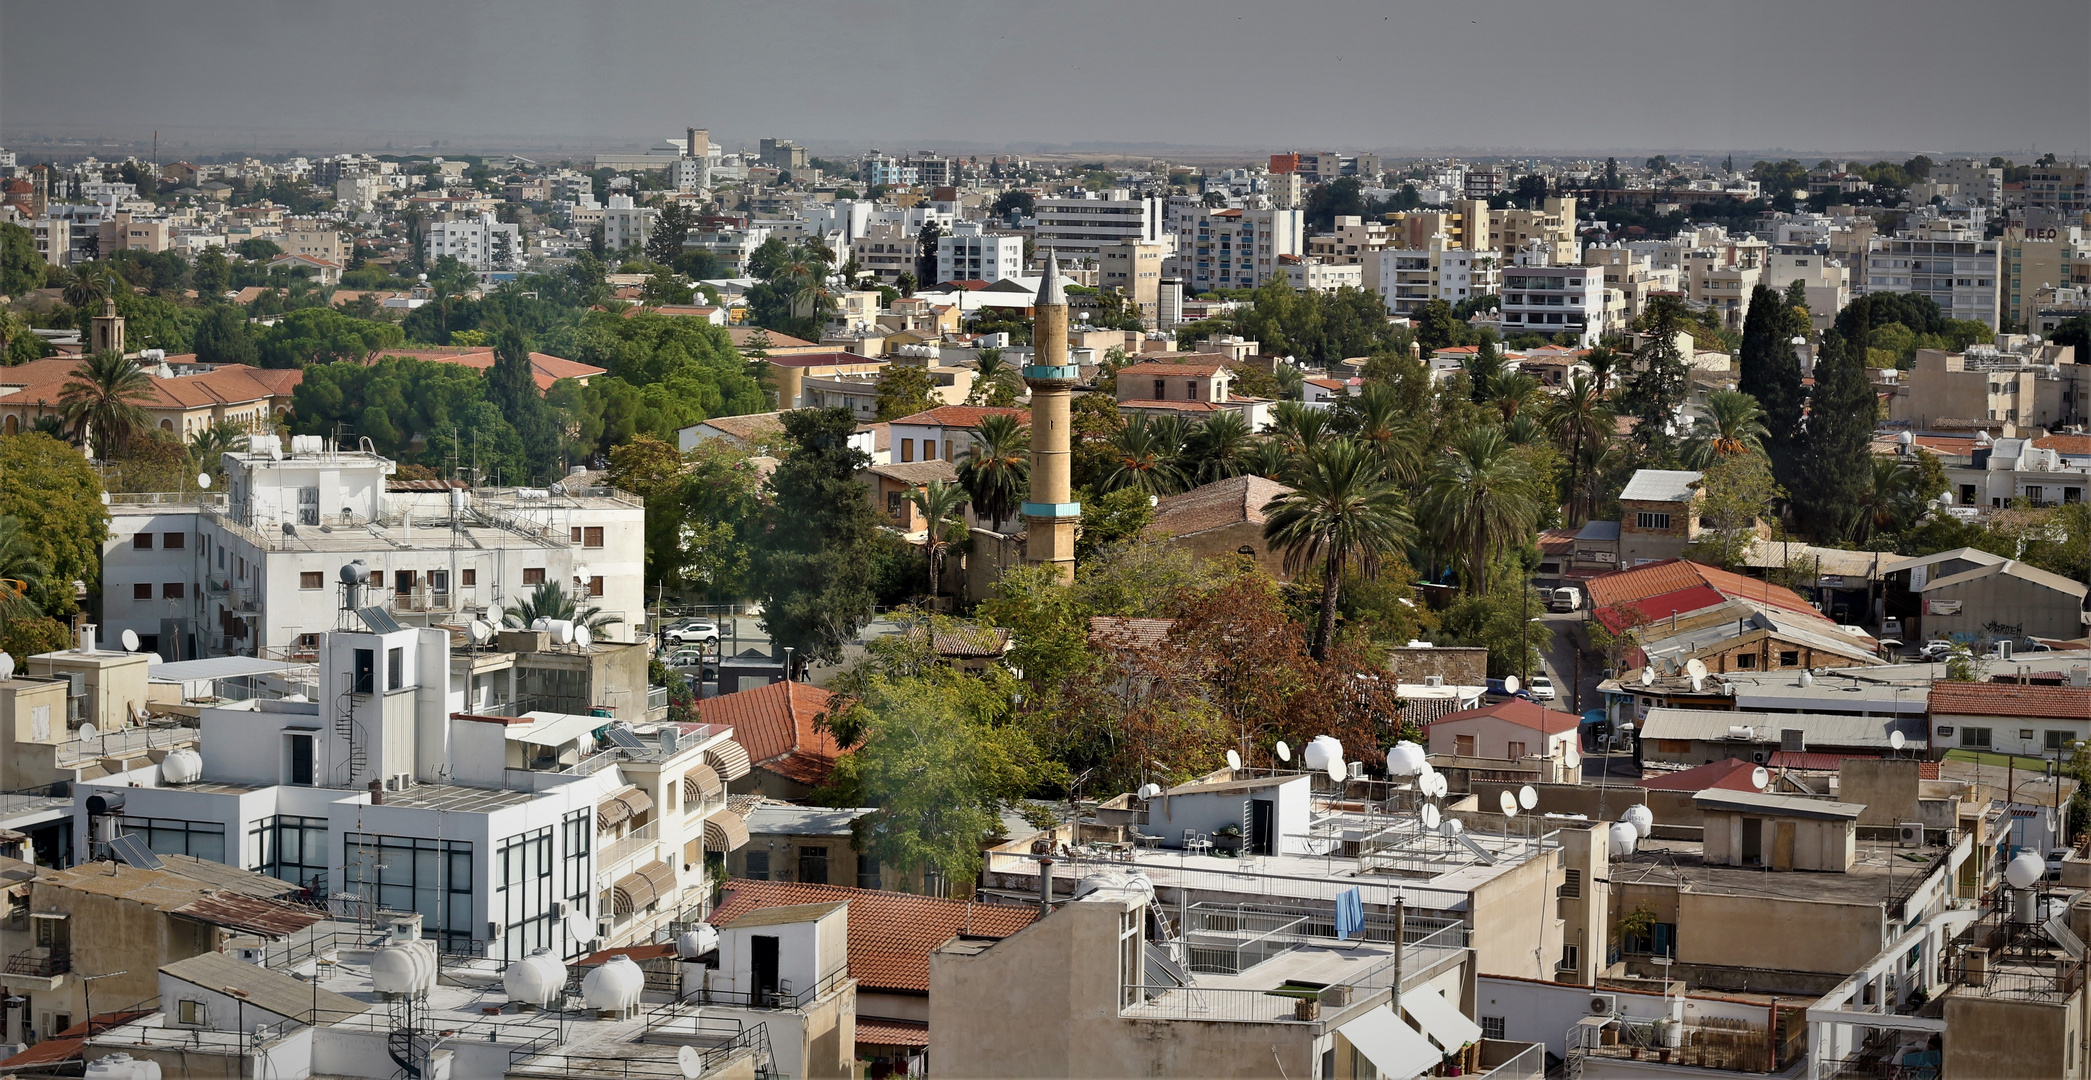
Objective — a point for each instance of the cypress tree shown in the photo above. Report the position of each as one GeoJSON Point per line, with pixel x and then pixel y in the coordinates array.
{"type": "Point", "coordinates": [511, 386]}
{"type": "Point", "coordinates": [1772, 374]}
{"type": "Point", "coordinates": [1836, 461]}
{"type": "Point", "coordinates": [1661, 380]}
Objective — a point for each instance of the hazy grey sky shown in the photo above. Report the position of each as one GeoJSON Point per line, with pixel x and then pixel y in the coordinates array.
{"type": "Point", "coordinates": [1561, 75]}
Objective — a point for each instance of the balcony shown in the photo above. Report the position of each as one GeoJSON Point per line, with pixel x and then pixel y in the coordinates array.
{"type": "Point", "coordinates": [41, 963]}
{"type": "Point", "coordinates": [618, 854]}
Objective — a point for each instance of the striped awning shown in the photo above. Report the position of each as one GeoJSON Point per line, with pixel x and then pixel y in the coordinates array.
{"type": "Point", "coordinates": [621, 806]}
{"type": "Point", "coordinates": [728, 757]}
{"type": "Point", "coordinates": [702, 783]}
{"type": "Point", "coordinates": [725, 831]}
{"type": "Point", "coordinates": [643, 886]}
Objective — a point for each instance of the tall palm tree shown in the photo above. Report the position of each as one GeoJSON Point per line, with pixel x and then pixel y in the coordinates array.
{"type": "Point", "coordinates": [1513, 391]}
{"type": "Point", "coordinates": [1268, 459]}
{"type": "Point", "coordinates": [938, 502]}
{"type": "Point", "coordinates": [1891, 502]}
{"type": "Point", "coordinates": [1142, 457]}
{"type": "Point", "coordinates": [223, 437]}
{"type": "Point", "coordinates": [1298, 426]}
{"type": "Point", "coordinates": [549, 600]}
{"type": "Point", "coordinates": [1343, 511]}
{"type": "Point", "coordinates": [1482, 498]}
{"type": "Point", "coordinates": [1577, 418]}
{"type": "Point", "coordinates": [22, 570]}
{"type": "Point", "coordinates": [90, 285]}
{"type": "Point", "coordinates": [1218, 449]}
{"type": "Point", "coordinates": [990, 370]}
{"type": "Point", "coordinates": [1376, 418]}
{"type": "Point", "coordinates": [104, 397]}
{"type": "Point", "coordinates": [996, 472]}
{"type": "Point", "coordinates": [1733, 425]}
{"type": "Point", "coordinates": [1602, 363]}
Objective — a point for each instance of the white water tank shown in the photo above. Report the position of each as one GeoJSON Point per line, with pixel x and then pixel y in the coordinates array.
{"type": "Point", "coordinates": [535, 980]}
{"type": "Point", "coordinates": [403, 969]}
{"type": "Point", "coordinates": [1624, 837]}
{"type": "Point", "coordinates": [1319, 753]}
{"type": "Point", "coordinates": [1641, 818]}
{"type": "Point", "coordinates": [183, 766]}
{"type": "Point", "coordinates": [2024, 870]}
{"type": "Point", "coordinates": [614, 987]}
{"type": "Point", "coordinates": [695, 943]}
{"type": "Point", "coordinates": [1406, 759]}
{"type": "Point", "coordinates": [122, 1067]}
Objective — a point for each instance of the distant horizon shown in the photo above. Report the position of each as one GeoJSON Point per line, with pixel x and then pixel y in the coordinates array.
{"type": "Point", "coordinates": [1226, 78]}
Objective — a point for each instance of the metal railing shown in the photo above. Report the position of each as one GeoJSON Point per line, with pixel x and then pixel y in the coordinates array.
{"type": "Point", "coordinates": [1224, 1005]}
{"type": "Point", "coordinates": [1528, 1064]}
{"type": "Point", "coordinates": [718, 1041]}
{"type": "Point", "coordinates": [42, 963]}
{"type": "Point", "coordinates": [126, 741]}
{"type": "Point", "coordinates": [1231, 938]}
{"type": "Point", "coordinates": [784, 997]}
{"type": "Point", "coordinates": [622, 850]}
{"type": "Point", "coordinates": [2009, 980]}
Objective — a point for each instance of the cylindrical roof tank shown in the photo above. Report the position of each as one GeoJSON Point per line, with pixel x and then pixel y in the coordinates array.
{"type": "Point", "coordinates": [1624, 836]}
{"type": "Point", "coordinates": [536, 979]}
{"type": "Point", "coordinates": [403, 967]}
{"type": "Point", "coordinates": [613, 987]}
{"type": "Point", "coordinates": [1641, 818]}
{"type": "Point", "coordinates": [183, 766]}
{"type": "Point", "coordinates": [1406, 759]}
{"type": "Point", "coordinates": [695, 943]}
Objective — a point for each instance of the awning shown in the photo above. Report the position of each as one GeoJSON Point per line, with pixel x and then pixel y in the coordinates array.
{"type": "Point", "coordinates": [879, 1032]}
{"type": "Point", "coordinates": [554, 729]}
{"type": "Point", "coordinates": [701, 783]}
{"type": "Point", "coordinates": [1440, 1020]}
{"type": "Point", "coordinates": [725, 831]}
{"type": "Point", "coordinates": [642, 887]}
{"type": "Point", "coordinates": [1394, 1048]}
{"type": "Point", "coordinates": [728, 758]}
{"type": "Point", "coordinates": [621, 806]}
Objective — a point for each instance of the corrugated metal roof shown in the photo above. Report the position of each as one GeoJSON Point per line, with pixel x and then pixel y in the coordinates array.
{"type": "Point", "coordinates": [1659, 485]}
{"type": "Point", "coordinates": [245, 913]}
{"type": "Point", "coordinates": [1747, 802]}
{"type": "Point", "coordinates": [1823, 729]}
{"type": "Point", "coordinates": [265, 989]}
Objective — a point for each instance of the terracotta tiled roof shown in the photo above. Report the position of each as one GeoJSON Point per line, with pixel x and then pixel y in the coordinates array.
{"type": "Point", "coordinates": [1557, 541]}
{"type": "Point", "coordinates": [823, 359]}
{"type": "Point", "coordinates": [1520, 712]}
{"type": "Point", "coordinates": [1618, 617]}
{"type": "Point", "coordinates": [1822, 761]}
{"type": "Point", "coordinates": [1175, 367]}
{"type": "Point", "coordinates": [1153, 405]}
{"type": "Point", "coordinates": [1117, 632]}
{"type": "Point", "coordinates": [2010, 699]}
{"type": "Point", "coordinates": [1214, 506]}
{"type": "Point", "coordinates": [872, 1032]}
{"type": "Point", "coordinates": [678, 310]}
{"type": "Point", "coordinates": [2065, 444]}
{"type": "Point", "coordinates": [775, 724]}
{"type": "Point", "coordinates": [545, 368]}
{"type": "Point", "coordinates": [963, 417]}
{"type": "Point", "coordinates": [741, 335]}
{"type": "Point", "coordinates": [1731, 774]}
{"type": "Point", "coordinates": [917, 472]}
{"type": "Point", "coordinates": [890, 934]}
{"type": "Point", "coordinates": [1671, 575]}
{"type": "Point", "coordinates": [751, 426]}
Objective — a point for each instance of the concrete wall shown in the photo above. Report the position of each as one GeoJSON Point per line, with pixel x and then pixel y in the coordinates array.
{"type": "Point", "coordinates": [1998, 1037]}
{"type": "Point", "coordinates": [990, 554]}
{"type": "Point", "coordinates": [1492, 738]}
{"type": "Point", "coordinates": [1543, 1012]}
{"type": "Point", "coordinates": [1786, 843]}
{"type": "Point", "coordinates": [113, 935]}
{"type": "Point", "coordinates": [2003, 607]}
{"type": "Point", "coordinates": [1227, 541]}
{"type": "Point", "coordinates": [1207, 813]}
{"type": "Point", "coordinates": [1457, 665]}
{"type": "Point", "coordinates": [1514, 914]}
{"type": "Point", "coordinates": [1779, 933]}
{"type": "Point", "coordinates": [1887, 787]}
{"type": "Point", "coordinates": [1599, 803]}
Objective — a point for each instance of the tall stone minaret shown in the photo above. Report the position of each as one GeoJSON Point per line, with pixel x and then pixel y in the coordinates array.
{"type": "Point", "coordinates": [1051, 513]}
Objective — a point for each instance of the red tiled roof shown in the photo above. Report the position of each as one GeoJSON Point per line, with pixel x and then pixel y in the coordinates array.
{"type": "Point", "coordinates": [2065, 444]}
{"type": "Point", "coordinates": [1731, 774]}
{"type": "Point", "coordinates": [872, 1032]}
{"type": "Point", "coordinates": [1172, 406]}
{"type": "Point", "coordinates": [1520, 712]}
{"type": "Point", "coordinates": [42, 381]}
{"type": "Point", "coordinates": [741, 334]}
{"type": "Point", "coordinates": [545, 369]}
{"type": "Point", "coordinates": [1673, 575]}
{"type": "Point", "coordinates": [636, 952]}
{"type": "Point", "coordinates": [1821, 761]}
{"type": "Point", "coordinates": [890, 934]}
{"type": "Point", "coordinates": [1119, 632]}
{"type": "Point", "coordinates": [823, 359]}
{"type": "Point", "coordinates": [1174, 367]}
{"type": "Point", "coordinates": [1557, 541]}
{"type": "Point", "coordinates": [964, 417]}
{"type": "Point", "coordinates": [2010, 699]}
{"type": "Point", "coordinates": [775, 725]}
{"type": "Point", "coordinates": [1215, 505]}
{"type": "Point", "coordinates": [1617, 617]}
{"type": "Point", "coordinates": [678, 310]}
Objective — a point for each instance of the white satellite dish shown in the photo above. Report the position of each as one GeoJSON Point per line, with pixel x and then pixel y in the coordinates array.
{"type": "Point", "coordinates": [1527, 798]}
{"type": "Point", "coordinates": [1760, 778]}
{"type": "Point", "coordinates": [1284, 751]}
{"type": "Point", "coordinates": [1455, 826]}
{"type": "Point", "coordinates": [689, 1061]}
{"type": "Point", "coordinates": [1511, 684]}
{"type": "Point", "coordinates": [580, 927]}
{"type": "Point", "coordinates": [583, 636]}
{"type": "Point", "coordinates": [1443, 786]}
{"type": "Point", "coordinates": [1508, 803]}
{"type": "Point", "coordinates": [1895, 740]}
{"type": "Point", "coordinates": [130, 641]}
{"type": "Point", "coordinates": [1337, 771]}
{"type": "Point", "coordinates": [87, 731]}
{"type": "Point", "coordinates": [1431, 816]}
{"type": "Point", "coordinates": [7, 666]}
{"type": "Point", "coordinates": [1150, 791]}
{"type": "Point", "coordinates": [581, 573]}
{"type": "Point", "coordinates": [1234, 759]}
{"type": "Point", "coordinates": [1573, 759]}
{"type": "Point", "coordinates": [1647, 676]}
{"type": "Point", "coordinates": [1695, 667]}
{"type": "Point", "coordinates": [478, 631]}
{"type": "Point", "coordinates": [203, 480]}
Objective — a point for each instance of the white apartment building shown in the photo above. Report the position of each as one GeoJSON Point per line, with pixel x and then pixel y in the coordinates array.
{"type": "Point", "coordinates": [1237, 248]}
{"type": "Point", "coordinates": [626, 225]}
{"type": "Point", "coordinates": [1554, 300]}
{"type": "Point", "coordinates": [1722, 276]}
{"type": "Point", "coordinates": [255, 569]}
{"type": "Point", "coordinates": [731, 246]}
{"type": "Point", "coordinates": [1961, 275]}
{"type": "Point", "coordinates": [481, 243]}
{"type": "Point", "coordinates": [1076, 227]}
{"type": "Point", "coordinates": [970, 252]}
{"type": "Point", "coordinates": [1977, 181]}
{"type": "Point", "coordinates": [1315, 276]}
{"type": "Point", "coordinates": [1827, 281]}
{"type": "Point", "coordinates": [54, 239]}
{"type": "Point", "coordinates": [1412, 277]}
{"type": "Point", "coordinates": [506, 833]}
{"type": "Point", "coordinates": [359, 194]}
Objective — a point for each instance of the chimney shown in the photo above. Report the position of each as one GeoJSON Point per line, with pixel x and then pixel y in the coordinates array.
{"type": "Point", "coordinates": [86, 637]}
{"type": "Point", "coordinates": [377, 793]}
{"type": "Point", "coordinates": [1045, 887]}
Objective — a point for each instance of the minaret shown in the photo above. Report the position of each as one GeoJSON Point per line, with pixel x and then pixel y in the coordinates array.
{"type": "Point", "coordinates": [1051, 513]}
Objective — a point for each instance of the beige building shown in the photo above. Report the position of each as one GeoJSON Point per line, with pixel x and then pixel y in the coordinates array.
{"type": "Point", "coordinates": [1657, 516]}
{"type": "Point", "coordinates": [1134, 269]}
{"type": "Point", "coordinates": [2017, 387]}
{"type": "Point", "coordinates": [1222, 520]}
{"type": "Point", "coordinates": [1778, 832]}
{"type": "Point", "coordinates": [2034, 260]}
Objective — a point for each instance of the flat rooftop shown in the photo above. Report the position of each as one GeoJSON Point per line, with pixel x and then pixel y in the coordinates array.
{"type": "Point", "coordinates": [470, 800]}
{"type": "Point", "coordinates": [1881, 873]}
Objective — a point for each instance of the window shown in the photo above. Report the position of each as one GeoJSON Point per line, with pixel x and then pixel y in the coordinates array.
{"type": "Point", "coordinates": [363, 675]}
{"type": "Point", "coordinates": [403, 582]}
{"type": "Point", "coordinates": [929, 449]}
{"type": "Point", "coordinates": [311, 580]}
{"type": "Point", "coordinates": [758, 866]}
{"type": "Point", "coordinates": [193, 1013]}
{"type": "Point", "coordinates": [573, 535]}
{"type": "Point", "coordinates": [1571, 958]}
{"type": "Point", "coordinates": [395, 668]}
{"type": "Point", "coordinates": [173, 590]}
{"type": "Point", "coordinates": [291, 848]}
{"type": "Point", "coordinates": [893, 503]}
{"type": "Point", "coordinates": [174, 541]}
{"type": "Point", "coordinates": [2057, 740]}
{"type": "Point", "coordinates": [142, 541]}
{"type": "Point", "coordinates": [141, 591]}
{"type": "Point", "coordinates": [1645, 520]}
{"type": "Point", "coordinates": [595, 585]}
{"type": "Point", "coordinates": [867, 871]}
{"type": "Point", "coordinates": [1974, 736]}
{"type": "Point", "coordinates": [533, 575]}
{"type": "Point", "coordinates": [813, 865]}
{"type": "Point", "coordinates": [523, 897]}
{"type": "Point", "coordinates": [413, 873]}
{"type": "Point", "coordinates": [1463, 745]}
{"type": "Point", "coordinates": [1515, 750]}
{"type": "Point", "coordinates": [907, 449]}
{"type": "Point", "coordinates": [1790, 658]}
{"type": "Point", "coordinates": [169, 836]}
{"type": "Point", "coordinates": [1491, 1027]}
{"type": "Point", "coordinates": [1161, 389]}
{"type": "Point", "coordinates": [1745, 662]}
{"type": "Point", "coordinates": [592, 536]}
{"type": "Point", "coordinates": [469, 576]}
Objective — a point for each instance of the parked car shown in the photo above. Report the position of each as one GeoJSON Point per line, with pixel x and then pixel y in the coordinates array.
{"type": "Point", "coordinates": [2054, 862]}
{"type": "Point", "coordinates": [1565, 598]}
{"type": "Point", "coordinates": [1934, 651]}
{"type": "Point", "coordinates": [1891, 627]}
{"type": "Point", "coordinates": [1542, 688]}
{"type": "Point", "coordinates": [2030, 645]}
{"type": "Point", "coordinates": [693, 631]}
{"type": "Point", "coordinates": [686, 658]}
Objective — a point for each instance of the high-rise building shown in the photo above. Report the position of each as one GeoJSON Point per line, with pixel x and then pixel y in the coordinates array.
{"type": "Point", "coordinates": [1051, 513]}
{"type": "Point", "coordinates": [1077, 227]}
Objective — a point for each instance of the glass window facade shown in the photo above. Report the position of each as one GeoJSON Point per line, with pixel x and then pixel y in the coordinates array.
{"type": "Point", "coordinates": [412, 873]}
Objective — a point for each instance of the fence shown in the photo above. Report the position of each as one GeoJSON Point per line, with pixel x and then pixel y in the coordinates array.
{"type": "Point", "coordinates": [1527, 1064]}
{"type": "Point", "coordinates": [124, 742]}
{"type": "Point", "coordinates": [712, 1053]}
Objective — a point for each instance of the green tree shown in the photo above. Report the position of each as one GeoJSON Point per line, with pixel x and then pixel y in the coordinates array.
{"type": "Point", "coordinates": [1893, 501]}
{"type": "Point", "coordinates": [1836, 461]}
{"type": "Point", "coordinates": [996, 470]}
{"type": "Point", "coordinates": [1482, 499]}
{"type": "Point", "coordinates": [511, 387]}
{"type": "Point", "coordinates": [664, 241]}
{"type": "Point", "coordinates": [213, 275]}
{"type": "Point", "coordinates": [1218, 448]}
{"type": "Point", "coordinates": [1733, 426]}
{"type": "Point", "coordinates": [1110, 521]}
{"type": "Point", "coordinates": [222, 337]}
{"type": "Point", "coordinates": [904, 390]}
{"type": "Point", "coordinates": [1343, 512]}
{"type": "Point", "coordinates": [1661, 381]}
{"type": "Point", "coordinates": [1577, 418]}
{"type": "Point", "coordinates": [1736, 492]}
{"type": "Point", "coordinates": [939, 503]}
{"type": "Point", "coordinates": [1145, 455]}
{"type": "Point", "coordinates": [21, 268]}
{"type": "Point", "coordinates": [105, 398]}
{"type": "Point", "coordinates": [257, 249]}
{"type": "Point", "coordinates": [812, 558]}
{"type": "Point", "coordinates": [55, 494]}
{"type": "Point", "coordinates": [321, 335]}
{"type": "Point", "coordinates": [1771, 373]}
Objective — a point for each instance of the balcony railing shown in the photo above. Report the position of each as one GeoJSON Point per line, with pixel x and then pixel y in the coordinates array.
{"type": "Point", "coordinates": [625, 849]}
{"type": "Point", "coordinates": [41, 963]}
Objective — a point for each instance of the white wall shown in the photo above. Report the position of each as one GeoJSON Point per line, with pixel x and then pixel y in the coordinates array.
{"type": "Point", "coordinates": [1543, 1012]}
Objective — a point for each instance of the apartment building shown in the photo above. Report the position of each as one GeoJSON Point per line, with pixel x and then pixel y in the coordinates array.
{"type": "Point", "coordinates": [2058, 188]}
{"type": "Point", "coordinates": [626, 225]}
{"type": "Point", "coordinates": [1828, 283]}
{"type": "Point", "coordinates": [1076, 227]}
{"type": "Point", "coordinates": [887, 250]}
{"type": "Point", "coordinates": [1554, 301]}
{"type": "Point", "coordinates": [1313, 275]}
{"type": "Point", "coordinates": [1961, 275]}
{"type": "Point", "coordinates": [254, 570]}
{"type": "Point", "coordinates": [1236, 248]}
{"type": "Point", "coordinates": [971, 253]}
{"type": "Point", "coordinates": [481, 243]}
{"type": "Point", "coordinates": [1976, 180]}
{"type": "Point", "coordinates": [2007, 385]}
{"type": "Point", "coordinates": [1134, 269]}
{"type": "Point", "coordinates": [2036, 259]}
{"type": "Point", "coordinates": [1353, 242]}
{"type": "Point", "coordinates": [54, 239]}
{"type": "Point", "coordinates": [1632, 277]}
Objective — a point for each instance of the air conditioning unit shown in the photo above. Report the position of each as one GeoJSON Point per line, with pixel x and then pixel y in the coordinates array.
{"type": "Point", "coordinates": [494, 930]}
{"type": "Point", "coordinates": [1357, 770]}
{"type": "Point", "coordinates": [1909, 834]}
{"type": "Point", "coordinates": [2003, 650]}
{"type": "Point", "coordinates": [1604, 1004]}
{"type": "Point", "coordinates": [560, 908]}
{"type": "Point", "coordinates": [1433, 680]}
{"type": "Point", "coordinates": [603, 926]}
{"type": "Point", "coordinates": [1759, 757]}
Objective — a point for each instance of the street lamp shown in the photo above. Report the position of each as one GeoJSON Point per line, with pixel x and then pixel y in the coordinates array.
{"type": "Point", "coordinates": [1524, 652]}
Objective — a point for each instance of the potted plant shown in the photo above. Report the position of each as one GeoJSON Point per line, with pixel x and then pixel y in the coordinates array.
{"type": "Point", "coordinates": [1228, 839]}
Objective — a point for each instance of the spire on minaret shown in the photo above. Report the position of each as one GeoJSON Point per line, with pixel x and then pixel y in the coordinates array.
{"type": "Point", "coordinates": [1050, 291]}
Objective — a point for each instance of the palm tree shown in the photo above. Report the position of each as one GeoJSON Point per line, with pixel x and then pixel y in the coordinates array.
{"type": "Point", "coordinates": [1482, 498]}
{"type": "Point", "coordinates": [1268, 459]}
{"type": "Point", "coordinates": [937, 501]}
{"type": "Point", "coordinates": [996, 472]}
{"type": "Point", "coordinates": [1512, 391]}
{"type": "Point", "coordinates": [90, 285]}
{"type": "Point", "coordinates": [22, 569]}
{"type": "Point", "coordinates": [223, 437]}
{"type": "Point", "coordinates": [550, 601]}
{"type": "Point", "coordinates": [1375, 417]}
{"type": "Point", "coordinates": [104, 397]}
{"type": "Point", "coordinates": [1484, 370]}
{"type": "Point", "coordinates": [1143, 457]}
{"type": "Point", "coordinates": [1218, 449]}
{"type": "Point", "coordinates": [1343, 511]}
{"type": "Point", "coordinates": [1602, 362]}
{"type": "Point", "coordinates": [1577, 418]}
{"type": "Point", "coordinates": [1298, 426]}
{"type": "Point", "coordinates": [1891, 502]}
{"type": "Point", "coordinates": [1292, 382]}
{"type": "Point", "coordinates": [990, 370]}
{"type": "Point", "coordinates": [1733, 425]}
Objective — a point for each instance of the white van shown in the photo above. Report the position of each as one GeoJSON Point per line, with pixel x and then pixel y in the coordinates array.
{"type": "Point", "coordinates": [1565, 598]}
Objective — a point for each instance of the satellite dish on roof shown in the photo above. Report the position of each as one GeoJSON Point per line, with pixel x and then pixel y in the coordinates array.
{"type": "Point", "coordinates": [1337, 771]}
{"type": "Point", "coordinates": [7, 666]}
{"type": "Point", "coordinates": [1508, 803]}
{"type": "Point", "coordinates": [580, 927]}
{"type": "Point", "coordinates": [1647, 676]}
{"type": "Point", "coordinates": [130, 641]}
{"type": "Point", "coordinates": [1454, 826]}
{"type": "Point", "coordinates": [583, 636]}
{"type": "Point", "coordinates": [1150, 791]}
{"type": "Point", "coordinates": [1527, 798]}
{"type": "Point", "coordinates": [1760, 778]}
{"type": "Point", "coordinates": [1510, 684]}
{"type": "Point", "coordinates": [1234, 759]}
{"type": "Point", "coordinates": [203, 480]}
{"type": "Point", "coordinates": [1807, 678]}
{"type": "Point", "coordinates": [1573, 758]}
{"type": "Point", "coordinates": [87, 731]}
{"type": "Point", "coordinates": [1431, 816]}
{"type": "Point", "coordinates": [1695, 667]}
{"type": "Point", "coordinates": [478, 631]}
{"type": "Point", "coordinates": [1895, 740]}
{"type": "Point", "coordinates": [689, 1061]}
{"type": "Point", "coordinates": [1284, 751]}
